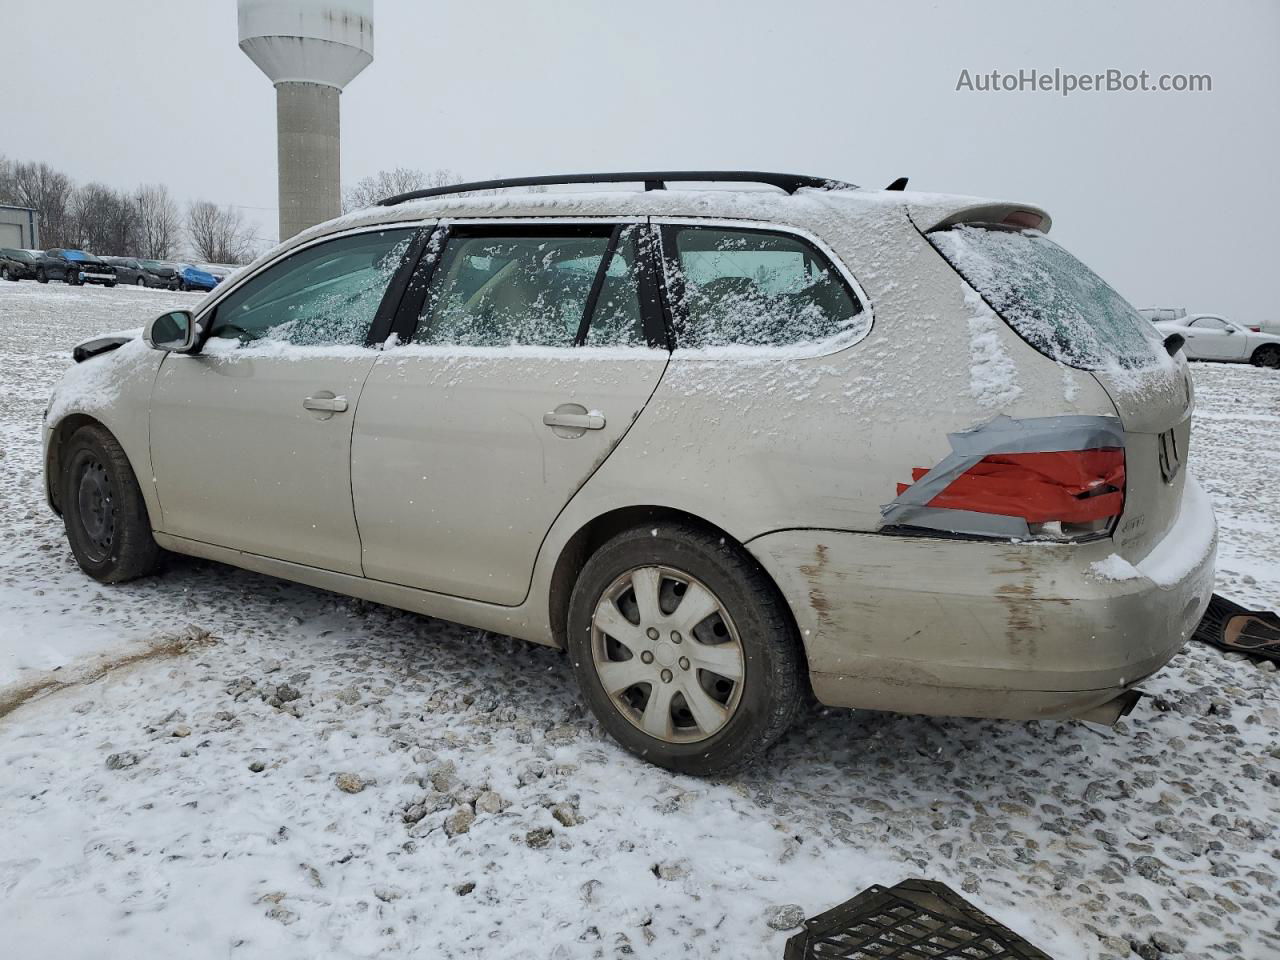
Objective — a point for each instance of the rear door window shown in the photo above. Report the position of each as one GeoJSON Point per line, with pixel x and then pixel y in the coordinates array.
{"type": "Point", "coordinates": [741, 287]}
{"type": "Point", "coordinates": [1052, 300]}
{"type": "Point", "coordinates": [499, 287]}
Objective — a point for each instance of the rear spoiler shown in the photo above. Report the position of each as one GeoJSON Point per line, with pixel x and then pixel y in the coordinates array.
{"type": "Point", "coordinates": [930, 213]}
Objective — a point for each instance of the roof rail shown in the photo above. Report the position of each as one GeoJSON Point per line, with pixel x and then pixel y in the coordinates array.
{"type": "Point", "coordinates": [652, 180]}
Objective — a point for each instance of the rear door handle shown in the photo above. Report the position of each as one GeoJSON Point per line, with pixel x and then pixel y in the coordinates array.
{"type": "Point", "coordinates": [326, 404]}
{"type": "Point", "coordinates": [575, 421]}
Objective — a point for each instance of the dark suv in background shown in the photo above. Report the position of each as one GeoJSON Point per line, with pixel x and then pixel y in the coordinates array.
{"type": "Point", "coordinates": [17, 265]}
{"type": "Point", "coordinates": [75, 267]}
{"type": "Point", "coordinates": [144, 273]}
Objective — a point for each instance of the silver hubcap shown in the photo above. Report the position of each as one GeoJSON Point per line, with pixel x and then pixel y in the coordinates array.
{"type": "Point", "coordinates": [668, 654]}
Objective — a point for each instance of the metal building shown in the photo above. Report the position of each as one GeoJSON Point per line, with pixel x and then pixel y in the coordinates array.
{"type": "Point", "coordinates": [19, 228]}
{"type": "Point", "coordinates": [310, 49]}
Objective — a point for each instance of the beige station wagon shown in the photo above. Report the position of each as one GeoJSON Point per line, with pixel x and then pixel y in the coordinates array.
{"type": "Point", "coordinates": [726, 447]}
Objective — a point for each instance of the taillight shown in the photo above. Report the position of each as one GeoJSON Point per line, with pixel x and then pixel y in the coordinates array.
{"type": "Point", "coordinates": [1061, 495]}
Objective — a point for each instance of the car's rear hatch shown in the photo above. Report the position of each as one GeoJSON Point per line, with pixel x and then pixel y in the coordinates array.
{"type": "Point", "coordinates": [1063, 310]}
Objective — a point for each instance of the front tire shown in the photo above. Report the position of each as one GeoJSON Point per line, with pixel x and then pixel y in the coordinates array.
{"type": "Point", "coordinates": [684, 649]}
{"type": "Point", "coordinates": [1267, 355]}
{"type": "Point", "coordinates": [141, 281]}
{"type": "Point", "coordinates": [103, 510]}
{"type": "Point", "coordinates": [41, 276]}
{"type": "Point", "coordinates": [5, 275]}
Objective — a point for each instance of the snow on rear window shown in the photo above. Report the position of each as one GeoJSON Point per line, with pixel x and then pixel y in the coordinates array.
{"type": "Point", "coordinates": [1054, 302]}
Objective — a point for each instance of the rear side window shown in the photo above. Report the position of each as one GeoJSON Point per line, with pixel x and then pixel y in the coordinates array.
{"type": "Point", "coordinates": [534, 288]}
{"type": "Point", "coordinates": [1052, 300]}
{"type": "Point", "coordinates": [756, 288]}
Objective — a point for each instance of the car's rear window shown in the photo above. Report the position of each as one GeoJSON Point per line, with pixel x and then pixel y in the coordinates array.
{"type": "Point", "coordinates": [1053, 301]}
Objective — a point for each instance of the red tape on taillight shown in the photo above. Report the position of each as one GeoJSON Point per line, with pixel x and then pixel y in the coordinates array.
{"type": "Point", "coordinates": [1074, 486]}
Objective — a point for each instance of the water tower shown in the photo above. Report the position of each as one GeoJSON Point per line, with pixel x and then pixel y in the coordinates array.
{"type": "Point", "coordinates": [310, 49]}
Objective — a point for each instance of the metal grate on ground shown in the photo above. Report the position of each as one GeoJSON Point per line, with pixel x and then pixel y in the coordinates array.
{"type": "Point", "coordinates": [915, 920]}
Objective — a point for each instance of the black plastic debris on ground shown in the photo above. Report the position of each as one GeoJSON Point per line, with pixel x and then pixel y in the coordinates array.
{"type": "Point", "coordinates": [916, 920]}
{"type": "Point", "coordinates": [1229, 626]}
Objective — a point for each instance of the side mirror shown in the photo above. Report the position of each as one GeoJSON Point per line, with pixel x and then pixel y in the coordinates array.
{"type": "Point", "coordinates": [175, 331]}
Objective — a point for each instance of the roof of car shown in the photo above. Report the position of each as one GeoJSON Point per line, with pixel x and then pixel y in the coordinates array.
{"type": "Point", "coordinates": [806, 207]}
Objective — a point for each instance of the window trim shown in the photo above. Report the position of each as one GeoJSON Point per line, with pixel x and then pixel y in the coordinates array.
{"type": "Point", "coordinates": [409, 313]}
{"type": "Point", "coordinates": [382, 318]}
{"type": "Point", "coordinates": [673, 293]}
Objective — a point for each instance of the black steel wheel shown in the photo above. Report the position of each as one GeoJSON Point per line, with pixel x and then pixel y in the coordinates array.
{"type": "Point", "coordinates": [1267, 355]}
{"type": "Point", "coordinates": [103, 510]}
{"type": "Point", "coordinates": [41, 276]}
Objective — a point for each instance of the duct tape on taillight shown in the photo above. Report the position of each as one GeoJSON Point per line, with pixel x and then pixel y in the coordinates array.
{"type": "Point", "coordinates": [1055, 477]}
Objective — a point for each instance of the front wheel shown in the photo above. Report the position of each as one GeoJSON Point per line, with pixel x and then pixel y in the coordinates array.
{"type": "Point", "coordinates": [684, 649]}
{"type": "Point", "coordinates": [41, 276]}
{"type": "Point", "coordinates": [103, 510]}
{"type": "Point", "coordinates": [1267, 355]}
{"type": "Point", "coordinates": [141, 281]}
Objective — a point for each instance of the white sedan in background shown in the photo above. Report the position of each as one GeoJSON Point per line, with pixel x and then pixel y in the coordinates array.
{"type": "Point", "coordinates": [1209, 336]}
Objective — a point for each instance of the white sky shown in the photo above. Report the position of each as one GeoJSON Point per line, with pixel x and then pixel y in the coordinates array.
{"type": "Point", "coordinates": [1171, 196]}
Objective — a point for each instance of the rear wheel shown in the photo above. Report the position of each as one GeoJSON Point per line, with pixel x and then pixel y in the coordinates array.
{"type": "Point", "coordinates": [41, 276]}
{"type": "Point", "coordinates": [103, 510]}
{"type": "Point", "coordinates": [684, 649]}
{"type": "Point", "coordinates": [141, 281]}
{"type": "Point", "coordinates": [1267, 355]}
{"type": "Point", "coordinates": [5, 275]}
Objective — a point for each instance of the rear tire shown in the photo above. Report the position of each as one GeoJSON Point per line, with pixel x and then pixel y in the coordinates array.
{"type": "Point", "coordinates": [1267, 355]}
{"type": "Point", "coordinates": [141, 281]}
{"type": "Point", "coordinates": [4, 273]}
{"type": "Point", "coordinates": [41, 277]}
{"type": "Point", "coordinates": [103, 510]}
{"type": "Point", "coordinates": [727, 670]}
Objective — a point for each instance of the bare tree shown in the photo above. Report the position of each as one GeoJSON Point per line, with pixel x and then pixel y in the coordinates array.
{"type": "Point", "coordinates": [7, 186]}
{"type": "Point", "coordinates": [388, 183]}
{"type": "Point", "coordinates": [158, 221]}
{"type": "Point", "coordinates": [48, 191]}
{"type": "Point", "coordinates": [102, 220]}
{"type": "Point", "coordinates": [218, 234]}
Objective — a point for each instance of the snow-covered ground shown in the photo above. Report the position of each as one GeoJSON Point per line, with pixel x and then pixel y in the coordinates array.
{"type": "Point", "coordinates": [324, 777]}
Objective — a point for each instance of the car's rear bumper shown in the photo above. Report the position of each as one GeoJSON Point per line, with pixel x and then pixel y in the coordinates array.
{"type": "Point", "coordinates": [967, 628]}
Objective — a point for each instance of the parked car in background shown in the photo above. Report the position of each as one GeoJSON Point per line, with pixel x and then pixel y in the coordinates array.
{"type": "Point", "coordinates": [1157, 314]}
{"type": "Point", "coordinates": [662, 430]}
{"type": "Point", "coordinates": [17, 265]}
{"type": "Point", "coordinates": [143, 273]}
{"type": "Point", "coordinates": [1209, 336]}
{"type": "Point", "coordinates": [219, 270]}
{"type": "Point", "coordinates": [193, 278]}
{"type": "Point", "coordinates": [75, 267]}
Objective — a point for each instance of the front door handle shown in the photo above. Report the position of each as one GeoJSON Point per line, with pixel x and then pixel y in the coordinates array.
{"type": "Point", "coordinates": [326, 404]}
{"type": "Point", "coordinates": [574, 421]}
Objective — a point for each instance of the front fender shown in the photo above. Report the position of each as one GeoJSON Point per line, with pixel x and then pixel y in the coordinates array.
{"type": "Point", "coordinates": [112, 389]}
